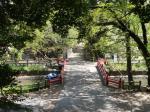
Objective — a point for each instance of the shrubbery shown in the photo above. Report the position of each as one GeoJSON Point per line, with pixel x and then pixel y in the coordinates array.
{"type": "Point", "coordinates": [35, 69]}
{"type": "Point", "coordinates": [7, 76]}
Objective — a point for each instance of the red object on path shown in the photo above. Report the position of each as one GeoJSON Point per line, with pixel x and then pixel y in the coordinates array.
{"type": "Point", "coordinates": [60, 77]}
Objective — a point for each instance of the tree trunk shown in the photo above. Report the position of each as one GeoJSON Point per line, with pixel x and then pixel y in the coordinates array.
{"type": "Point", "coordinates": [141, 46]}
{"type": "Point", "coordinates": [145, 54]}
{"type": "Point", "coordinates": [128, 56]}
{"type": "Point", "coordinates": [145, 41]}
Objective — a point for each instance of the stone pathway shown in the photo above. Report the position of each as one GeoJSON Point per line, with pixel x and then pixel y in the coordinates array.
{"type": "Point", "coordinates": [83, 92]}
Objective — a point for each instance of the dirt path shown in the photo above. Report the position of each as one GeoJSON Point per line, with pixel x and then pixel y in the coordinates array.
{"type": "Point", "coordinates": [83, 92]}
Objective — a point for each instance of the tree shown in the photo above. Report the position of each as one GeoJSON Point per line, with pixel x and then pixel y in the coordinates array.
{"type": "Point", "coordinates": [21, 18]}
{"type": "Point", "coordinates": [45, 42]}
{"type": "Point", "coordinates": [72, 37]}
{"type": "Point", "coordinates": [7, 76]}
{"type": "Point", "coordinates": [112, 15]}
{"type": "Point", "coordinates": [18, 20]}
{"type": "Point", "coordinates": [68, 13]}
{"type": "Point", "coordinates": [128, 56]}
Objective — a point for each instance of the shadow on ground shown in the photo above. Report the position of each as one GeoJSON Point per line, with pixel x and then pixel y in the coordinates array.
{"type": "Point", "coordinates": [83, 91]}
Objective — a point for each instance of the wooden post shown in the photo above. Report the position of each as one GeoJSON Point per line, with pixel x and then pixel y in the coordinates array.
{"type": "Point", "coordinates": [120, 83]}
{"type": "Point", "coordinates": [139, 85]}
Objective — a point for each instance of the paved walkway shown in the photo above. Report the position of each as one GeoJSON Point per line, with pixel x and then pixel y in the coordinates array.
{"type": "Point", "coordinates": [83, 92]}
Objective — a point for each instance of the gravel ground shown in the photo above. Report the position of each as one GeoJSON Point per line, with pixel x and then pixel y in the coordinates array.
{"type": "Point", "coordinates": [83, 92]}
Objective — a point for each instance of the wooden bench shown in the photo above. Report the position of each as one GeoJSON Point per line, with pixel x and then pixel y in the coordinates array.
{"type": "Point", "coordinates": [58, 79]}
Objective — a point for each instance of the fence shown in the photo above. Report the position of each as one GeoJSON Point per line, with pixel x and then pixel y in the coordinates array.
{"type": "Point", "coordinates": [28, 62]}
{"type": "Point", "coordinates": [117, 83]}
{"type": "Point", "coordinates": [51, 62]}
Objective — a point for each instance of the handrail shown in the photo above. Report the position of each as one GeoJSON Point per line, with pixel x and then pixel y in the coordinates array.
{"type": "Point", "coordinates": [105, 74]}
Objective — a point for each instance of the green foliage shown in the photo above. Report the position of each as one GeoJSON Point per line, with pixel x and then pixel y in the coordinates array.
{"type": "Point", "coordinates": [67, 14]}
{"type": "Point", "coordinates": [34, 12]}
{"type": "Point", "coordinates": [142, 8]}
{"type": "Point", "coordinates": [7, 76]}
{"type": "Point", "coordinates": [72, 38]}
{"type": "Point", "coordinates": [29, 68]}
{"type": "Point", "coordinates": [122, 66]}
{"type": "Point", "coordinates": [19, 26]}
{"type": "Point", "coordinates": [17, 68]}
{"type": "Point", "coordinates": [45, 41]}
{"type": "Point", "coordinates": [19, 19]}
{"type": "Point", "coordinates": [105, 17]}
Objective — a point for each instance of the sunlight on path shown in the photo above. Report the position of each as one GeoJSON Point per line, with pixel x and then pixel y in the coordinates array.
{"type": "Point", "coordinates": [83, 92]}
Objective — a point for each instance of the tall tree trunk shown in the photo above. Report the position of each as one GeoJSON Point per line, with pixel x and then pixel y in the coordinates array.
{"type": "Point", "coordinates": [128, 56]}
{"type": "Point", "coordinates": [145, 53]}
{"type": "Point", "coordinates": [145, 41]}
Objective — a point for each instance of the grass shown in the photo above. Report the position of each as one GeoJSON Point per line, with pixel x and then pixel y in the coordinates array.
{"type": "Point", "coordinates": [29, 68]}
{"type": "Point", "coordinates": [122, 66]}
{"type": "Point", "coordinates": [19, 89]}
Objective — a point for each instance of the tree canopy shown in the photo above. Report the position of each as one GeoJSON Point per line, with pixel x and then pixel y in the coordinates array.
{"type": "Point", "coordinates": [23, 20]}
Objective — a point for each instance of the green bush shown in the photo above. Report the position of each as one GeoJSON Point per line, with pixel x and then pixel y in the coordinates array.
{"type": "Point", "coordinates": [34, 68]}
{"type": "Point", "coordinates": [122, 66]}
{"type": "Point", "coordinates": [29, 68]}
{"type": "Point", "coordinates": [18, 68]}
{"type": "Point", "coordinates": [7, 76]}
